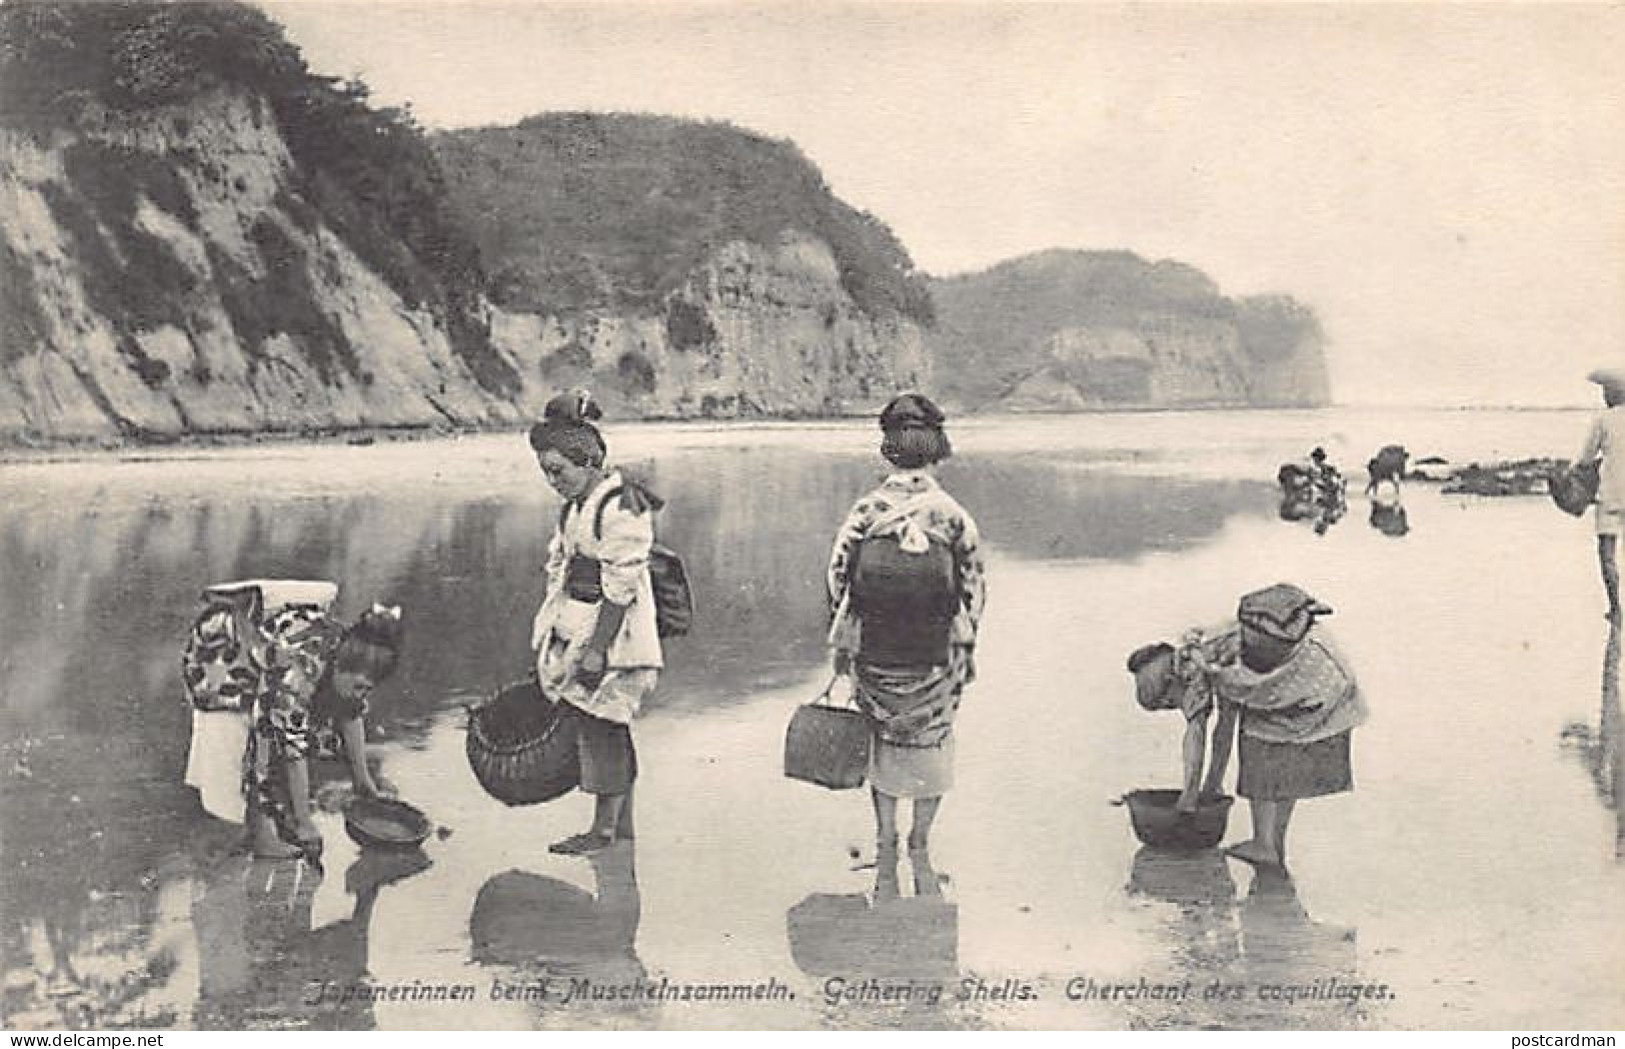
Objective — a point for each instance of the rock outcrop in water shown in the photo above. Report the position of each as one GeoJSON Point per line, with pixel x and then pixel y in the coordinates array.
{"type": "Point", "coordinates": [1076, 331]}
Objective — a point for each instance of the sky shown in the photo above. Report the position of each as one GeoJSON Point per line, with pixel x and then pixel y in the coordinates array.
{"type": "Point", "coordinates": [1444, 183]}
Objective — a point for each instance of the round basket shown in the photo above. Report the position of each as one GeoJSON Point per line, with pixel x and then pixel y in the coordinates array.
{"type": "Point", "coordinates": [385, 823]}
{"type": "Point", "coordinates": [1158, 824]}
{"type": "Point", "coordinates": [521, 749]}
{"type": "Point", "coordinates": [1573, 489]}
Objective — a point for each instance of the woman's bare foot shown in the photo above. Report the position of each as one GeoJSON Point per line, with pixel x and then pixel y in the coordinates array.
{"type": "Point", "coordinates": [887, 886]}
{"type": "Point", "coordinates": [1256, 852]}
{"type": "Point", "coordinates": [266, 843]}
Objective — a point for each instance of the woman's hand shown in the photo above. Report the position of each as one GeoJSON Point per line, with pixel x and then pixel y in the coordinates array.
{"type": "Point", "coordinates": [308, 839]}
{"type": "Point", "coordinates": [367, 787]}
{"type": "Point", "coordinates": [538, 630]}
{"type": "Point", "coordinates": [590, 667]}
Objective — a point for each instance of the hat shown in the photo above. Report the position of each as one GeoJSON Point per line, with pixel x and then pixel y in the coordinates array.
{"type": "Point", "coordinates": [1609, 378]}
{"type": "Point", "coordinates": [911, 411]}
{"type": "Point", "coordinates": [1281, 611]}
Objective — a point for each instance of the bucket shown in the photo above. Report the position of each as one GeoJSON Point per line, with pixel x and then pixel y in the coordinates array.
{"type": "Point", "coordinates": [1158, 824]}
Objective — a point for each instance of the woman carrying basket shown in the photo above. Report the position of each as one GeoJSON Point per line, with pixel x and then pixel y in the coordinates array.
{"type": "Point", "coordinates": [597, 647]}
{"type": "Point", "coordinates": [1605, 441]}
{"type": "Point", "coordinates": [906, 586]}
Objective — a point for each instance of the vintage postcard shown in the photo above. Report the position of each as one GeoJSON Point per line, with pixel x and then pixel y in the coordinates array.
{"type": "Point", "coordinates": [811, 516]}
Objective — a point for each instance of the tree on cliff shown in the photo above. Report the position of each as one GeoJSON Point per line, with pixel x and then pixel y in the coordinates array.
{"type": "Point", "coordinates": [616, 210]}
{"type": "Point", "coordinates": [368, 172]}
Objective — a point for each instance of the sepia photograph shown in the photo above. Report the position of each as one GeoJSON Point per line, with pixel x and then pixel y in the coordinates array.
{"type": "Point", "coordinates": [807, 516]}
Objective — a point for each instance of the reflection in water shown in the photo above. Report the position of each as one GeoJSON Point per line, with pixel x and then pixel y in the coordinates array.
{"type": "Point", "coordinates": [1600, 748]}
{"type": "Point", "coordinates": [882, 958]}
{"type": "Point", "coordinates": [260, 964]}
{"type": "Point", "coordinates": [1278, 967]}
{"type": "Point", "coordinates": [1201, 930]}
{"type": "Point", "coordinates": [1390, 518]}
{"type": "Point", "coordinates": [884, 934]}
{"type": "Point", "coordinates": [100, 586]}
{"type": "Point", "coordinates": [535, 928]}
{"type": "Point", "coordinates": [1317, 515]}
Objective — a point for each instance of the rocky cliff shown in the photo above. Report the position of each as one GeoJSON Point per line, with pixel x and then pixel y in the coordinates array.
{"type": "Point", "coordinates": [685, 268]}
{"type": "Point", "coordinates": [199, 235]}
{"type": "Point", "coordinates": [1072, 331]}
{"type": "Point", "coordinates": [167, 275]}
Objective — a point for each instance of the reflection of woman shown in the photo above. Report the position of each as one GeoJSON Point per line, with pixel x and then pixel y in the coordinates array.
{"type": "Point", "coordinates": [907, 587]}
{"type": "Point", "coordinates": [915, 938]}
{"type": "Point", "coordinates": [1300, 704]}
{"type": "Point", "coordinates": [260, 962]}
{"type": "Point", "coordinates": [1200, 885]}
{"type": "Point", "coordinates": [595, 638]}
{"type": "Point", "coordinates": [1387, 510]}
{"type": "Point", "coordinates": [1601, 749]}
{"type": "Point", "coordinates": [540, 925]}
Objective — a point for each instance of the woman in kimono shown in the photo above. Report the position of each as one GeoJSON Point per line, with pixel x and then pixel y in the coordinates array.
{"type": "Point", "coordinates": [1299, 704]}
{"type": "Point", "coordinates": [597, 647]}
{"type": "Point", "coordinates": [906, 589]}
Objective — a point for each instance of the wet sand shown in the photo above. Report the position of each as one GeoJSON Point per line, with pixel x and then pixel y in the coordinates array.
{"type": "Point", "coordinates": [1473, 878]}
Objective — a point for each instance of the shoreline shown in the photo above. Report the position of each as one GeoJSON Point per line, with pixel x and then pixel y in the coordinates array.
{"type": "Point", "coordinates": [18, 451]}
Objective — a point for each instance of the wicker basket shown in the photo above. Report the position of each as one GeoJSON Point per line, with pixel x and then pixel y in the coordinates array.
{"type": "Point", "coordinates": [521, 749]}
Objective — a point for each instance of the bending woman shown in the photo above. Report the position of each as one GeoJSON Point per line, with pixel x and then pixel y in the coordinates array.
{"type": "Point", "coordinates": [1300, 705]}
{"type": "Point", "coordinates": [316, 677]}
{"type": "Point", "coordinates": [907, 586]}
{"type": "Point", "coordinates": [597, 648]}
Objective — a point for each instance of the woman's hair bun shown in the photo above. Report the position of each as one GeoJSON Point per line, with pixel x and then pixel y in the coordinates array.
{"type": "Point", "coordinates": [576, 406]}
{"type": "Point", "coordinates": [380, 625]}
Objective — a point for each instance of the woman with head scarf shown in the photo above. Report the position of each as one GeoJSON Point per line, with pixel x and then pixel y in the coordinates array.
{"type": "Point", "coordinates": [1300, 705]}
{"type": "Point", "coordinates": [1606, 442]}
{"type": "Point", "coordinates": [597, 647]}
{"type": "Point", "coordinates": [906, 586]}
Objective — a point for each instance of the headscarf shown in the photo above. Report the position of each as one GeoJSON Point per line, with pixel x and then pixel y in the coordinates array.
{"type": "Point", "coordinates": [1281, 611]}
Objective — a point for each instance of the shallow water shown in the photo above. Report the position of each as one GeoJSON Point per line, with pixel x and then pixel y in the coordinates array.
{"type": "Point", "coordinates": [1483, 839]}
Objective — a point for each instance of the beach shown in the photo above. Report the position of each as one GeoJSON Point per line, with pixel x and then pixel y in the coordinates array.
{"type": "Point", "coordinates": [1471, 880]}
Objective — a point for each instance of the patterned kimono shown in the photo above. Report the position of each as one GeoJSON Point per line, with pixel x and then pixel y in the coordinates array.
{"type": "Point", "coordinates": [297, 709]}
{"type": "Point", "coordinates": [911, 707]}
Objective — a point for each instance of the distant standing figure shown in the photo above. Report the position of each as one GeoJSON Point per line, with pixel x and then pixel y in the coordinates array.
{"type": "Point", "coordinates": [906, 586]}
{"type": "Point", "coordinates": [1606, 441]}
{"type": "Point", "coordinates": [1388, 465]}
{"type": "Point", "coordinates": [595, 637]}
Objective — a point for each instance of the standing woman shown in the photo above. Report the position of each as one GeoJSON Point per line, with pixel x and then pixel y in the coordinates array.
{"type": "Point", "coordinates": [906, 586]}
{"type": "Point", "coordinates": [1606, 442]}
{"type": "Point", "coordinates": [597, 649]}
{"type": "Point", "coordinates": [1299, 706]}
